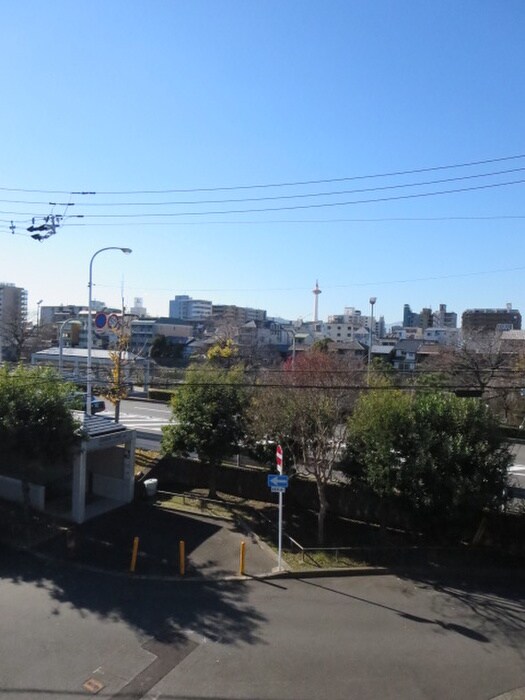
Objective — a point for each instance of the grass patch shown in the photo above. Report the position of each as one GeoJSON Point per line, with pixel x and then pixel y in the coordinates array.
{"type": "Point", "coordinates": [192, 503]}
{"type": "Point", "coordinates": [145, 460]}
{"type": "Point", "coordinates": [300, 561]}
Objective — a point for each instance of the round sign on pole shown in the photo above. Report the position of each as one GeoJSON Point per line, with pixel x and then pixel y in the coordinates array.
{"type": "Point", "coordinates": [113, 322]}
{"type": "Point", "coordinates": [100, 322]}
{"type": "Point", "coordinates": [279, 459]}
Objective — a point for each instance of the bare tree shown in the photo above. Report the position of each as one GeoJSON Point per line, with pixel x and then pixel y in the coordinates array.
{"type": "Point", "coordinates": [305, 408]}
{"type": "Point", "coordinates": [15, 332]}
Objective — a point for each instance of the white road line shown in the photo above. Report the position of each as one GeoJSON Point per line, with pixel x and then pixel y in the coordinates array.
{"type": "Point", "coordinates": [140, 422]}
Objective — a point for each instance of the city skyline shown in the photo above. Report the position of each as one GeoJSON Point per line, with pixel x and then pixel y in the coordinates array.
{"type": "Point", "coordinates": [244, 150]}
{"type": "Point", "coordinates": [437, 310]}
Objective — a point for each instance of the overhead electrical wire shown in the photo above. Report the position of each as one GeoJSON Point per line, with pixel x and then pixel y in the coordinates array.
{"type": "Point", "coordinates": [384, 219]}
{"type": "Point", "coordinates": [302, 195]}
{"type": "Point", "coordinates": [294, 207]}
{"type": "Point", "coordinates": [165, 218]}
{"type": "Point", "coordinates": [337, 286]}
{"type": "Point", "coordinates": [296, 183]}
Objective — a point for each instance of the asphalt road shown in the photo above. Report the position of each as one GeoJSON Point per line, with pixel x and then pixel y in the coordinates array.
{"type": "Point", "coordinates": [141, 415]}
{"type": "Point", "coordinates": [368, 638]}
{"type": "Point", "coordinates": [145, 417]}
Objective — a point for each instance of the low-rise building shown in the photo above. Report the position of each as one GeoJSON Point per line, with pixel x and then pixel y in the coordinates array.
{"type": "Point", "coordinates": [491, 320]}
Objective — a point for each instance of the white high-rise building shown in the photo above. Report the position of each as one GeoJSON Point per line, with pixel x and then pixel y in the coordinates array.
{"type": "Point", "coordinates": [138, 308]}
{"type": "Point", "coordinates": [188, 309]}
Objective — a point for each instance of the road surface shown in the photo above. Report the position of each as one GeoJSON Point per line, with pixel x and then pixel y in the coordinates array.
{"type": "Point", "coordinates": [362, 638]}
{"type": "Point", "coordinates": [144, 417]}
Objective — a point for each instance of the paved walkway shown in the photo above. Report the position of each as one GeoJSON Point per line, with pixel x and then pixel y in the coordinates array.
{"type": "Point", "coordinates": [212, 547]}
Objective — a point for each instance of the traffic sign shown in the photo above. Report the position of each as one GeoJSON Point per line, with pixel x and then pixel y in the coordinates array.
{"type": "Point", "coordinates": [279, 459]}
{"type": "Point", "coordinates": [101, 320]}
{"type": "Point", "coordinates": [277, 481]}
{"type": "Point", "coordinates": [278, 489]}
{"type": "Point", "coordinates": [113, 322]}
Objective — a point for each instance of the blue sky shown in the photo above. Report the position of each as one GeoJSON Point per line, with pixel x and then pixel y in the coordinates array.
{"type": "Point", "coordinates": [132, 97]}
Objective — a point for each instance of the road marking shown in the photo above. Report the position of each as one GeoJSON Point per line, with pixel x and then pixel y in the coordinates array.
{"type": "Point", "coordinates": [131, 420]}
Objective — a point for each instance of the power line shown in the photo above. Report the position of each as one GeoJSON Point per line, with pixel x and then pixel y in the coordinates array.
{"type": "Point", "coordinates": [303, 195]}
{"type": "Point", "coordinates": [270, 185]}
{"type": "Point", "coordinates": [294, 207]}
{"type": "Point", "coordinates": [337, 286]}
{"type": "Point", "coordinates": [264, 222]}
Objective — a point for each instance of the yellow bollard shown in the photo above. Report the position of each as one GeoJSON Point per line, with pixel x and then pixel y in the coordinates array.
{"type": "Point", "coordinates": [242, 555]}
{"type": "Point", "coordinates": [182, 558]}
{"type": "Point", "coordinates": [134, 554]}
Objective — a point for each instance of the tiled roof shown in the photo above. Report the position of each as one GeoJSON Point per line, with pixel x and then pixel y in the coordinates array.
{"type": "Point", "coordinates": [93, 426]}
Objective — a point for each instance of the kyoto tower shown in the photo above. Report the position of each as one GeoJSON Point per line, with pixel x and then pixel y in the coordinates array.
{"type": "Point", "coordinates": [316, 291]}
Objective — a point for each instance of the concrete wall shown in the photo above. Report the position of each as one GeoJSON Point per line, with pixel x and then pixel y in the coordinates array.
{"type": "Point", "coordinates": [344, 500]}
{"type": "Point", "coordinates": [108, 462]}
{"type": "Point", "coordinates": [109, 487]}
{"type": "Point", "coordinates": [11, 490]}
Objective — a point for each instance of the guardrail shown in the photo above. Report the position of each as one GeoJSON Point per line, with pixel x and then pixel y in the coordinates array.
{"type": "Point", "coordinates": [188, 497]}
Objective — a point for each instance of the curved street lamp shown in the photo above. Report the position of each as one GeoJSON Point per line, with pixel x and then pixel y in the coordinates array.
{"type": "Point", "coordinates": [89, 381]}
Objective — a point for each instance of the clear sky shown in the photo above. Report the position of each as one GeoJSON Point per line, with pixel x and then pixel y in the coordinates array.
{"type": "Point", "coordinates": [128, 97]}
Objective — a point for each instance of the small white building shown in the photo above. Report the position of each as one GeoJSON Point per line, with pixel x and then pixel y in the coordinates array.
{"type": "Point", "coordinates": [73, 362]}
{"type": "Point", "coordinates": [99, 478]}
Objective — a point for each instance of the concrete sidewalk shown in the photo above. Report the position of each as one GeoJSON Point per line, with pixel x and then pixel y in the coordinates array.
{"type": "Point", "coordinates": [212, 546]}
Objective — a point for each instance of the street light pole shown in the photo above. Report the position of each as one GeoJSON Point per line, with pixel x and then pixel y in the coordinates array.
{"type": "Point", "coordinates": [89, 378]}
{"type": "Point", "coordinates": [372, 302]}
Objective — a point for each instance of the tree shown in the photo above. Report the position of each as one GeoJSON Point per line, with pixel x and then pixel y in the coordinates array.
{"type": "Point", "coordinates": [15, 332]}
{"type": "Point", "coordinates": [208, 417]}
{"type": "Point", "coordinates": [162, 349]}
{"type": "Point", "coordinates": [116, 389]}
{"type": "Point", "coordinates": [475, 364]}
{"type": "Point", "coordinates": [442, 456]}
{"type": "Point", "coordinates": [307, 414]}
{"type": "Point", "coordinates": [37, 429]}
{"type": "Point", "coordinates": [36, 425]}
{"type": "Point", "coordinates": [223, 353]}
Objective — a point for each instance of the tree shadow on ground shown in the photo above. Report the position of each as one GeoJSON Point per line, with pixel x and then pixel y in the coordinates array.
{"type": "Point", "coordinates": [495, 600]}
{"type": "Point", "coordinates": [107, 541]}
{"type": "Point", "coordinates": [217, 610]}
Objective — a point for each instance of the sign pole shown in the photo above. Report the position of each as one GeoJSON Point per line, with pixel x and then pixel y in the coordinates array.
{"type": "Point", "coordinates": [280, 547]}
{"type": "Point", "coordinates": [280, 466]}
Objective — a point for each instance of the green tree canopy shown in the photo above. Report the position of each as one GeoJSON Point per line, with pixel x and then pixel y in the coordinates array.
{"type": "Point", "coordinates": [208, 416]}
{"type": "Point", "coordinates": [443, 456]}
{"type": "Point", "coordinates": [37, 428]}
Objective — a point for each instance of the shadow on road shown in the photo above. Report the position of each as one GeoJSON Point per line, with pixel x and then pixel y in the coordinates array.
{"type": "Point", "coordinates": [496, 602]}
{"type": "Point", "coordinates": [495, 607]}
{"type": "Point", "coordinates": [217, 610]}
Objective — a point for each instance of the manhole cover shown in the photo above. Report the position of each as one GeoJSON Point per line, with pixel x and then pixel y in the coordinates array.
{"type": "Point", "coordinates": [93, 686]}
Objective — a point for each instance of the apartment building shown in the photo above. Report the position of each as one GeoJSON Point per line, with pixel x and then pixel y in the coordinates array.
{"type": "Point", "coordinates": [491, 320]}
{"type": "Point", "coordinates": [188, 309]}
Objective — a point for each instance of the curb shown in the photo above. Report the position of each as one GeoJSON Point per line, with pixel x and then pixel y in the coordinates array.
{"type": "Point", "coordinates": [210, 578]}
{"type": "Point", "coordinates": [516, 694]}
{"type": "Point", "coordinates": [347, 572]}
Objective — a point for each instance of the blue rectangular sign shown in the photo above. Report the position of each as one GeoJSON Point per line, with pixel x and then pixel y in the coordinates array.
{"type": "Point", "coordinates": [277, 481]}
